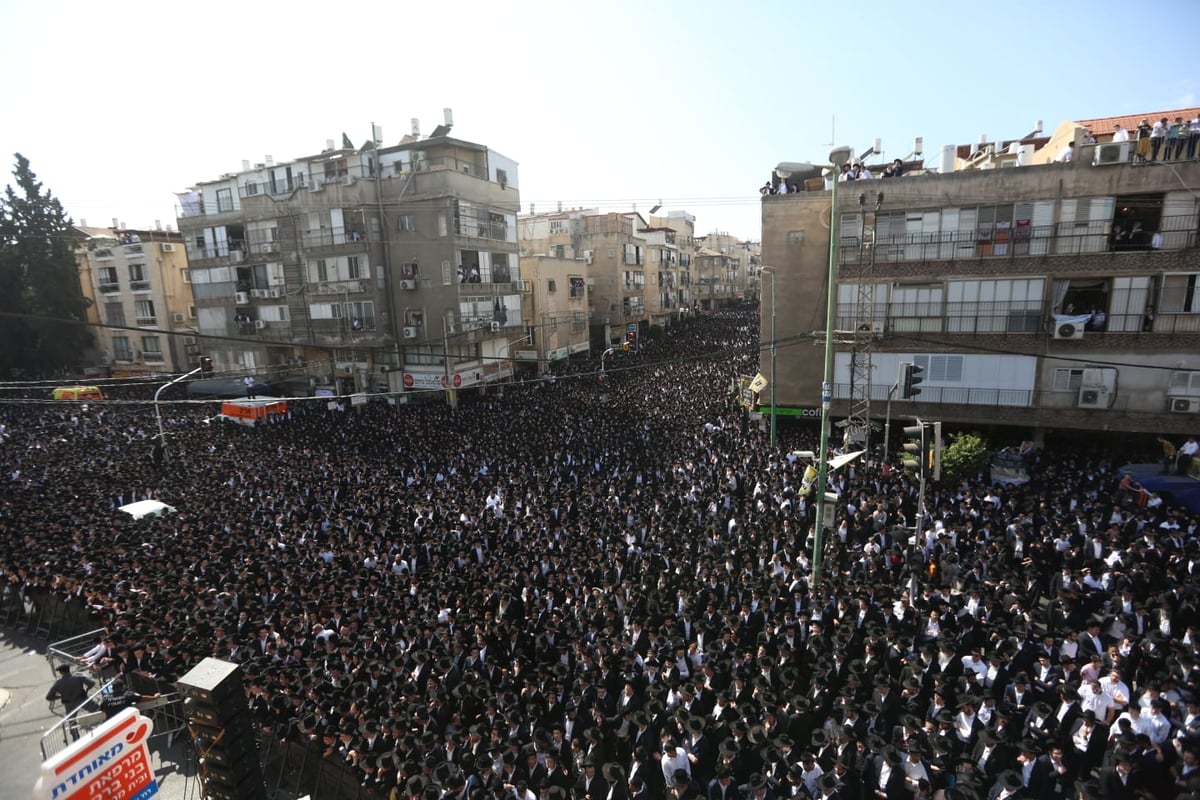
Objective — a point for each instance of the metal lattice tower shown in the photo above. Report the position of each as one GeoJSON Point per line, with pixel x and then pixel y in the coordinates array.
{"type": "Point", "coordinates": [866, 330]}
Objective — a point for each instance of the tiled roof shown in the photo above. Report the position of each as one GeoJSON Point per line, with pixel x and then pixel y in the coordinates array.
{"type": "Point", "coordinates": [1106, 125]}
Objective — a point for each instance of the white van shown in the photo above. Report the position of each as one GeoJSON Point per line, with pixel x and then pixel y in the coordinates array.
{"type": "Point", "coordinates": [147, 508]}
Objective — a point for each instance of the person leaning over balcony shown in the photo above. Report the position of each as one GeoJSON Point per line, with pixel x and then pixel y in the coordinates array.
{"type": "Point", "coordinates": [1177, 135]}
{"type": "Point", "coordinates": [894, 170]}
{"type": "Point", "coordinates": [1168, 454]}
{"type": "Point", "coordinates": [1158, 135]}
{"type": "Point", "coordinates": [1193, 142]}
{"type": "Point", "coordinates": [1143, 140]}
{"type": "Point", "coordinates": [1187, 453]}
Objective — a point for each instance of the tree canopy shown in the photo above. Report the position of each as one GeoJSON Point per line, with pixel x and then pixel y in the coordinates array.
{"type": "Point", "coordinates": [42, 308]}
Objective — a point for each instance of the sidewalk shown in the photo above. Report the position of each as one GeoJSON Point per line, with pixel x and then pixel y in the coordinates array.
{"type": "Point", "coordinates": [25, 677]}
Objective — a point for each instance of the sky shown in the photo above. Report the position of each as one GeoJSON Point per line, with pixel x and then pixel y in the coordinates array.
{"type": "Point", "coordinates": [614, 105]}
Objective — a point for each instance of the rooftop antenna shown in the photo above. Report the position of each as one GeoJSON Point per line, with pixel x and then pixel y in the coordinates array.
{"type": "Point", "coordinates": [416, 128]}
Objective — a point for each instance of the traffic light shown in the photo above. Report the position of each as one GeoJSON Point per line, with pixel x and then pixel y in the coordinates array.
{"type": "Point", "coordinates": [625, 347]}
{"type": "Point", "coordinates": [910, 380]}
{"type": "Point", "coordinates": [206, 369]}
{"type": "Point", "coordinates": [916, 458]}
{"type": "Point", "coordinates": [935, 451]}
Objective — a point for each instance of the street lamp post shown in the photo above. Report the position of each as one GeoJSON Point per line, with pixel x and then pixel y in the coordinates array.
{"type": "Point", "coordinates": [774, 347]}
{"type": "Point", "coordinates": [837, 158]}
{"type": "Point", "coordinates": [162, 436]}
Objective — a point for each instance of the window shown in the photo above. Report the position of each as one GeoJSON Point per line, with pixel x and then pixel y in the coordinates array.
{"type": "Point", "coordinates": [443, 224]}
{"type": "Point", "coordinates": [551, 286]}
{"type": "Point", "coordinates": [501, 272]}
{"type": "Point", "coordinates": [144, 312]}
{"type": "Point", "coordinates": [941, 368]}
{"type": "Point", "coordinates": [361, 315]}
{"type": "Point", "coordinates": [137, 277]}
{"type": "Point", "coordinates": [251, 189]}
{"type": "Point", "coordinates": [1002, 306]}
{"type": "Point", "coordinates": [224, 200]}
{"type": "Point", "coordinates": [322, 270]}
{"type": "Point", "coordinates": [502, 177]}
{"type": "Point", "coordinates": [114, 313]}
{"type": "Point", "coordinates": [186, 275]}
{"type": "Point", "coordinates": [1184, 383]}
{"type": "Point", "coordinates": [152, 348]}
{"type": "Point", "coordinates": [1180, 294]}
{"type": "Point", "coordinates": [353, 267]}
{"type": "Point", "coordinates": [122, 351]}
{"type": "Point", "coordinates": [560, 251]}
{"type": "Point", "coordinates": [278, 313]}
{"type": "Point", "coordinates": [1068, 380]}
{"type": "Point", "coordinates": [558, 226]}
{"type": "Point", "coordinates": [108, 280]}
{"type": "Point", "coordinates": [576, 286]}
{"type": "Point", "coordinates": [410, 271]}
{"type": "Point", "coordinates": [406, 222]}
{"type": "Point", "coordinates": [915, 309]}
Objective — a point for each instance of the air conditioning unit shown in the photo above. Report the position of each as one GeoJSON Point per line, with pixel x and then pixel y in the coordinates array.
{"type": "Point", "coordinates": [496, 326]}
{"type": "Point", "coordinates": [1068, 330]}
{"type": "Point", "coordinates": [1093, 397]}
{"type": "Point", "coordinates": [408, 285]}
{"type": "Point", "coordinates": [317, 185]}
{"type": "Point", "coordinates": [588, 256]}
{"type": "Point", "coordinates": [1110, 153]}
{"type": "Point", "coordinates": [242, 298]}
{"type": "Point", "coordinates": [877, 329]}
{"type": "Point", "coordinates": [410, 332]}
{"type": "Point", "coordinates": [262, 293]}
{"type": "Point", "coordinates": [348, 180]}
{"type": "Point", "coordinates": [278, 291]}
{"type": "Point", "coordinates": [177, 317]}
{"type": "Point", "coordinates": [167, 247]}
{"type": "Point", "coordinates": [526, 286]}
{"type": "Point", "coordinates": [259, 324]}
{"type": "Point", "coordinates": [1184, 405]}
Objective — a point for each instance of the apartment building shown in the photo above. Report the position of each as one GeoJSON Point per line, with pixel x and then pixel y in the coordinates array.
{"type": "Point", "coordinates": [1041, 296]}
{"type": "Point", "coordinates": [636, 273]}
{"type": "Point", "coordinates": [389, 268]}
{"type": "Point", "coordinates": [142, 309]}
{"type": "Point", "coordinates": [727, 267]}
{"type": "Point", "coordinates": [555, 312]}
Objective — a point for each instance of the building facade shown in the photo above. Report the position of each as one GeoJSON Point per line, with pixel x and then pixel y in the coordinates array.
{"type": "Point", "coordinates": [372, 269]}
{"type": "Point", "coordinates": [1060, 295]}
{"type": "Point", "coordinates": [142, 308]}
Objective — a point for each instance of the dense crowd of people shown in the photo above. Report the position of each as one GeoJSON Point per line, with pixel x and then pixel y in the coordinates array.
{"type": "Point", "coordinates": [575, 589]}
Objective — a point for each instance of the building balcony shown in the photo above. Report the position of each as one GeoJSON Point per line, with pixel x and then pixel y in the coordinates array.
{"type": "Point", "coordinates": [1061, 239]}
{"type": "Point", "coordinates": [337, 287]}
{"type": "Point", "coordinates": [109, 288]}
{"type": "Point", "coordinates": [147, 322]}
{"type": "Point", "coordinates": [232, 252]}
{"type": "Point", "coordinates": [139, 286]}
{"type": "Point", "coordinates": [134, 250]}
{"type": "Point", "coordinates": [330, 237]}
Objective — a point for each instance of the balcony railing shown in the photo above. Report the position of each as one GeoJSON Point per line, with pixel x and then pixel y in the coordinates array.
{"type": "Point", "coordinates": [139, 286]}
{"type": "Point", "coordinates": [336, 287]}
{"type": "Point", "coordinates": [133, 250]}
{"type": "Point", "coordinates": [147, 321]}
{"type": "Point", "coordinates": [483, 230]}
{"type": "Point", "coordinates": [957, 395]}
{"type": "Point", "coordinates": [333, 236]}
{"type": "Point", "coordinates": [234, 250]}
{"type": "Point", "coordinates": [110, 288]}
{"type": "Point", "coordinates": [975, 318]}
{"type": "Point", "coordinates": [1064, 238]}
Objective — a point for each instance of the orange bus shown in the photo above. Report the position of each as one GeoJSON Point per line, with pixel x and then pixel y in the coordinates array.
{"type": "Point", "coordinates": [77, 393]}
{"type": "Point", "coordinates": [250, 412]}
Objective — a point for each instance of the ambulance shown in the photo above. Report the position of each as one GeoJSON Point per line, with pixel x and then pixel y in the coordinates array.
{"type": "Point", "coordinates": [250, 412]}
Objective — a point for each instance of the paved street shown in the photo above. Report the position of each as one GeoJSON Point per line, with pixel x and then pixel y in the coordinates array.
{"type": "Point", "coordinates": [25, 677]}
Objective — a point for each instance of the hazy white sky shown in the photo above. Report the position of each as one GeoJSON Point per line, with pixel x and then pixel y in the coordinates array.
{"type": "Point", "coordinates": [118, 105]}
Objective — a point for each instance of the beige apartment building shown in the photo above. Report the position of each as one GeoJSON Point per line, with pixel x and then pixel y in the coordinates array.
{"type": "Point", "coordinates": [377, 268]}
{"type": "Point", "coordinates": [555, 311]}
{"type": "Point", "coordinates": [142, 310]}
{"type": "Point", "coordinates": [1041, 295]}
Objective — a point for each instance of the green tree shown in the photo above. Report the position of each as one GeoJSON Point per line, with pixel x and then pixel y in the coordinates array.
{"type": "Point", "coordinates": [964, 456]}
{"type": "Point", "coordinates": [41, 305]}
